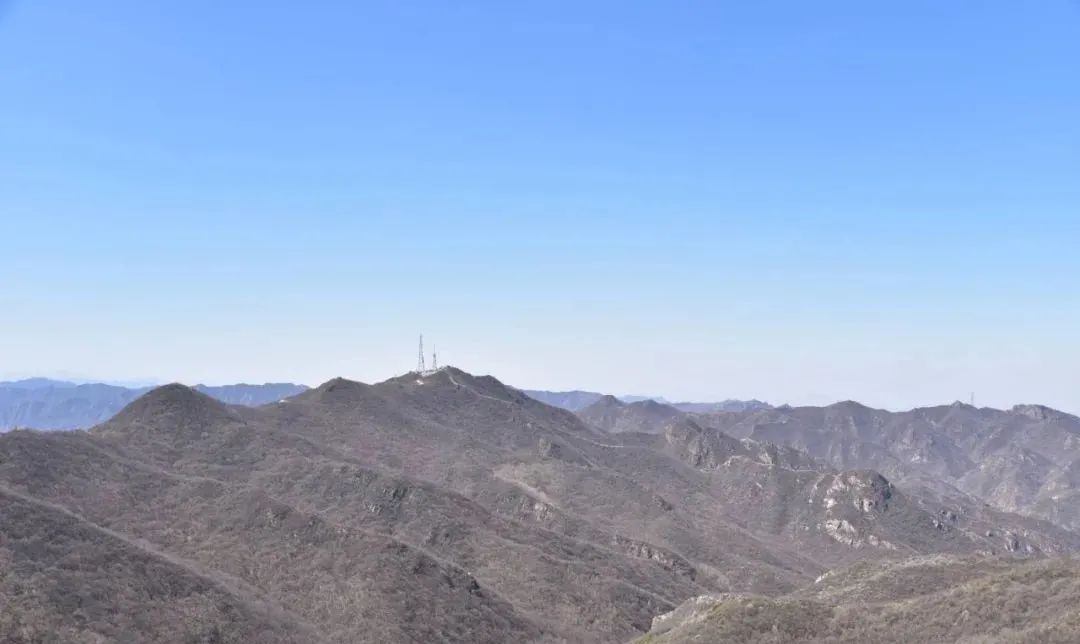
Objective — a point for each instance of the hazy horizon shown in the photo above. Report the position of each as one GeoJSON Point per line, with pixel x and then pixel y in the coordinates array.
{"type": "Point", "coordinates": [793, 202]}
{"type": "Point", "coordinates": [152, 383]}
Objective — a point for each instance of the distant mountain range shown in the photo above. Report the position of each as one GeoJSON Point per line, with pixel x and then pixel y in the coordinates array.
{"type": "Point", "coordinates": [1025, 459]}
{"type": "Point", "coordinates": [43, 403]}
{"type": "Point", "coordinates": [577, 400]}
{"type": "Point", "coordinates": [451, 507]}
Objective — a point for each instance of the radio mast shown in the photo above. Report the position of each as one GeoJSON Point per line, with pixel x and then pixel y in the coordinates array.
{"type": "Point", "coordinates": [420, 367]}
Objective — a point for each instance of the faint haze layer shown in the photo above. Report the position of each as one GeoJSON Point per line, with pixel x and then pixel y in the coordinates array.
{"type": "Point", "coordinates": [41, 403]}
{"type": "Point", "coordinates": [794, 202]}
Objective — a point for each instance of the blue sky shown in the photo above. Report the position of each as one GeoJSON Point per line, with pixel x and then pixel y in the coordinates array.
{"type": "Point", "coordinates": [793, 201]}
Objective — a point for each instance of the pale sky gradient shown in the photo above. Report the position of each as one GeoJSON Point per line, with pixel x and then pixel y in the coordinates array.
{"type": "Point", "coordinates": [796, 201]}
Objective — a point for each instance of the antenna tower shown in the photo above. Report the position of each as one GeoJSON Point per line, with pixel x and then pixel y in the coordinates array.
{"type": "Point", "coordinates": [420, 367]}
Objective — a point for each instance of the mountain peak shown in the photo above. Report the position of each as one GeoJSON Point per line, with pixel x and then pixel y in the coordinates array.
{"type": "Point", "coordinates": [651, 404]}
{"type": "Point", "coordinates": [850, 406]}
{"type": "Point", "coordinates": [336, 391]}
{"type": "Point", "coordinates": [486, 386]}
{"type": "Point", "coordinates": [1037, 412]}
{"type": "Point", "coordinates": [339, 384]}
{"type": "Point", "coordinates": [644, 416]}
{"type": "Point", "coordinates": [173, 407]}
{"type": "Point", "coordinates": [173, 395]}
{"type": "Point", "coordinates": [447, 378]}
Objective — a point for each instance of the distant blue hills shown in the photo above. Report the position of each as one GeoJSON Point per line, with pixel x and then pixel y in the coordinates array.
{"type": "Point", "coordinates": [49, 404]}
{"type": "Point", "coordinates": [44, 403]}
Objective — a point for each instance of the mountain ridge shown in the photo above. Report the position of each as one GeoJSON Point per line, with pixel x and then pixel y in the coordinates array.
{"type": "Point", "coordinates": [1020, 459]}
{"type": "Point", "coordinates": [447, 505]}
{"type": "Point", "coordinates": [42, 403]}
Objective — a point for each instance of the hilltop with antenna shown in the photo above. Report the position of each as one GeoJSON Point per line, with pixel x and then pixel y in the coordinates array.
{"type": "Point", "coordinates": [421, 365]}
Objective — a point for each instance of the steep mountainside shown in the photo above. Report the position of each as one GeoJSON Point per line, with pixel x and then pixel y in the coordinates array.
{"type": "Point", "coordinates": [927, 599]}
{"type": "Point", "coordinates": [66, 580]}
{"type": "Point", "coordinates": [40, 403]}
{"type": "Point", "coordinates": [1021, 460]}
{"type": "Point", "coordinates": [451, 507]}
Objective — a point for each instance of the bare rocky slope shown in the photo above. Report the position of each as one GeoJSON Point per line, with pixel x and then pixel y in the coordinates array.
{"type": "Point", "coordinates": [453, 508]}
{"type": "Point", "coordinates": [923, 599]}
{"type": "Point", "coordinates": [1026, 459]}
{"type": "Point", "coordinates": [63, 579]}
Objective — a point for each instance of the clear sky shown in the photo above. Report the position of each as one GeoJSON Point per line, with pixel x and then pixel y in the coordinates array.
{"type": "Point", "coordinates": [796, 201]}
